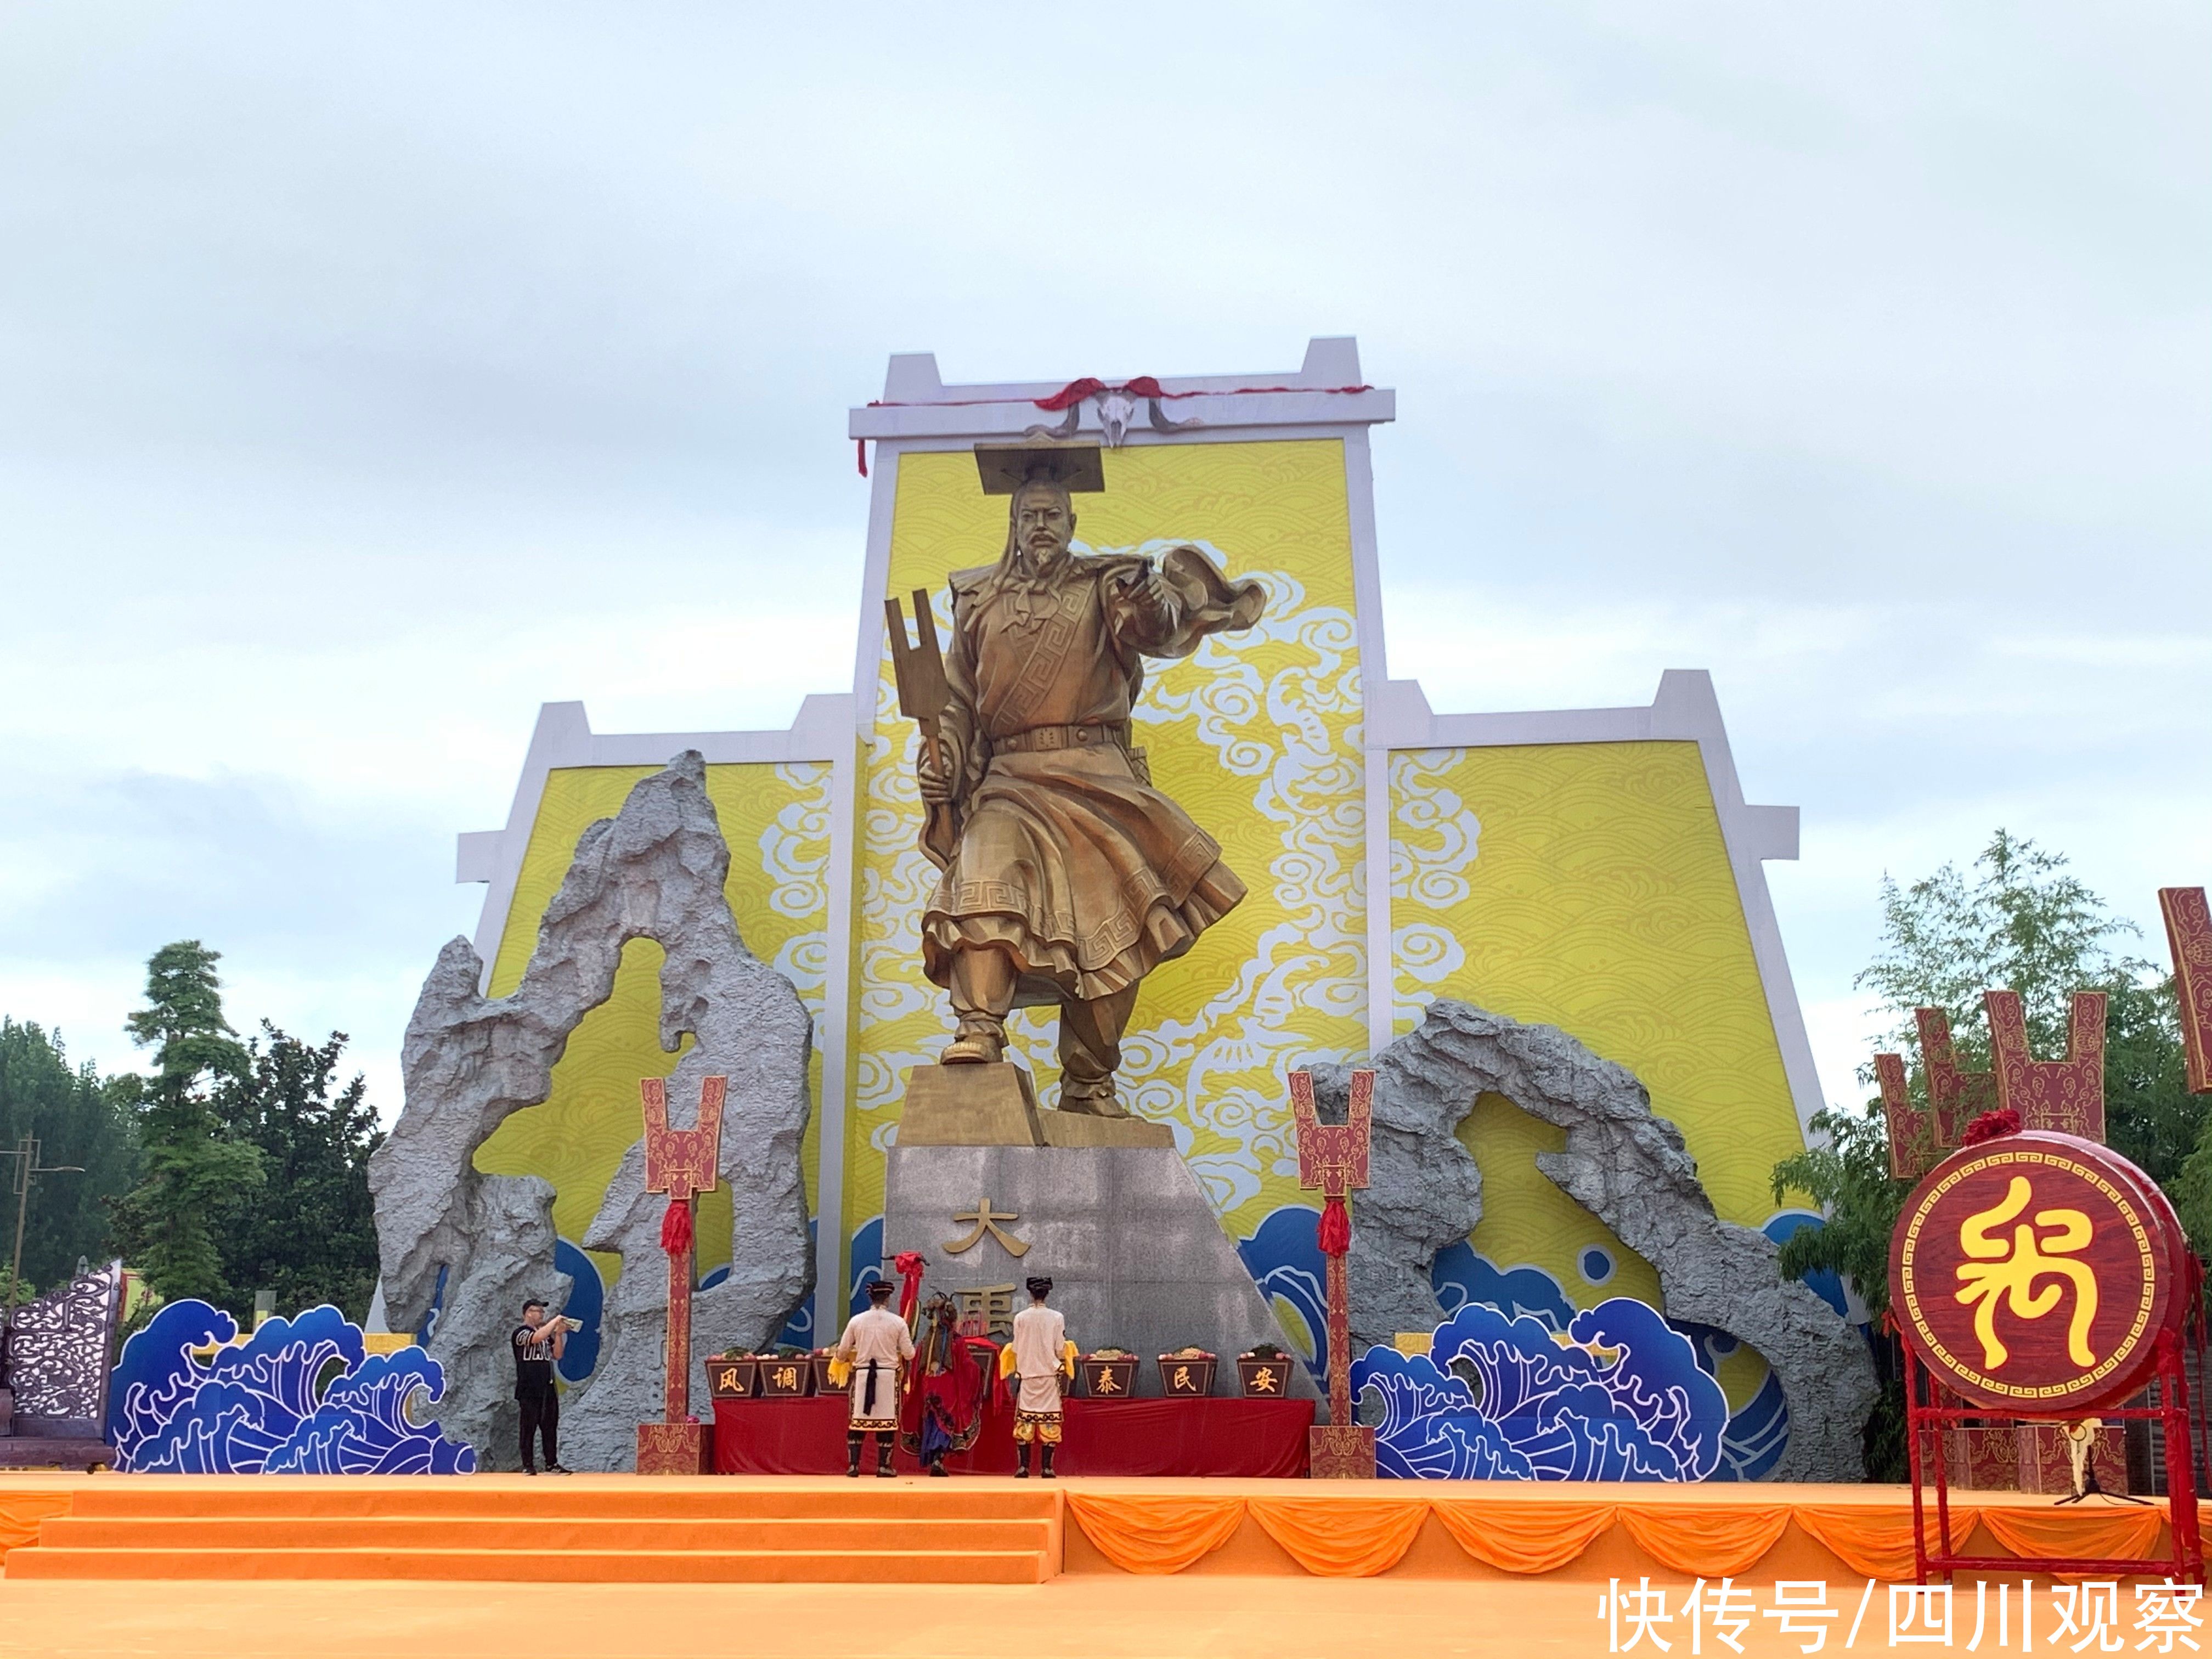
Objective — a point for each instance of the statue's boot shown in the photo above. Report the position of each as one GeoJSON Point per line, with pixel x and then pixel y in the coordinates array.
{"type": "Point", "coordinates": [1090, 1049]}
{"type": "Point", "coordinates": [983, 992]}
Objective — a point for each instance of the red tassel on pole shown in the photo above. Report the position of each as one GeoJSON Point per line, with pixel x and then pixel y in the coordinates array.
{"type": "Point", "coordinates": [909, 1265]}
{"type": "Point", "coordinates": [676, 1227]}
{"type": "Point", "coordinates": [1335, 1233]}
{"type": "Point", "coordinates": [860, 454]}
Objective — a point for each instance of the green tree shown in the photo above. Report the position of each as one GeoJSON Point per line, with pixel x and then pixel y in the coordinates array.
{"type": "Point", "coordinates": [78, 1118]}
{"type": "Point", "coordinates": [191, 1167]}
{"type": "Point", "coordinates": [2021, 922]}
{"type": "Point", "coordinates": [2018, 922]}
{"type": "Point", "coordinates": [308, 1231]}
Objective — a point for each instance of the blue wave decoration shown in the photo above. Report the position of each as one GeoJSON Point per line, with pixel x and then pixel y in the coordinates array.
{"type": "Point", "coordinates": [587, 1303]}
{"type": "Point", "coordinates": [1756, 1434]}
{"type": "Point", "coordinates": [1823, 1284]}
{"type": "Point", "coordinates": [300, 1396]}
{"type": "Point", "coordinates": [1459, 1276]}
{"type": "Point", "coordinates": [868, 1259]}
{"type": "Point", "coordinates": [429, 1325]}
{"type": "Point", "coordinates": [1285, 1260]}
{"type": "Point", "coordinates": [1502, 1399]}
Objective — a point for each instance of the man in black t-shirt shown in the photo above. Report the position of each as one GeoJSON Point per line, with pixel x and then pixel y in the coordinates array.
{"type": "Point", "coordinates": [537, 1344]}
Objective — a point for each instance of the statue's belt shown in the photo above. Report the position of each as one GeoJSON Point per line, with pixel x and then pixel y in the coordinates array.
{"type": "Point", "coordinates": [1042, 739]}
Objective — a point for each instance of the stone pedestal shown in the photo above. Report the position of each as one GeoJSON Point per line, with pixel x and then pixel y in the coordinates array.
{"type": "Point", "coordinates": [1105, 1208]}
{"type": "Point", "coordinates": [996, 1106]}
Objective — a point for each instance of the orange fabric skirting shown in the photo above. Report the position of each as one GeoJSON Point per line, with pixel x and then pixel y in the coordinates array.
{"type": "Point", "coordinates": [1360, 1536]}
{"type": "Point", "coordinates": [1877, 1543]}
{"type": "Point", "coordinates": [1155, 1534]}
{"type": "Point", "coordinates": [1523, 1537]}
{"type": "Point", "coordinates": [2077, 1531]}
{"type": "Point", "coordinates": [1718, 1542]}
{"type": "Point", "coordinates": [1342, 1538]}
{"type": "Point", "coordinates": [20, 1513]}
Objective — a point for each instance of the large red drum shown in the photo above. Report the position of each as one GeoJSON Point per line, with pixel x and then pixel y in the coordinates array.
{"type": "Point", "coordinates": [2033, 1274]}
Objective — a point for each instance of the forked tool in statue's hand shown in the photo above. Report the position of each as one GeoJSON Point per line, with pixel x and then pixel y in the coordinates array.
{"type": "Point", "coordinates": [918, 667]}
{"type": "Point", "coordinates": [924, 695]}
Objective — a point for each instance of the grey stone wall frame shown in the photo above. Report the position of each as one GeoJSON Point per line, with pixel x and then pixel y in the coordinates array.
{"type": "Point", "coordinates": [1626, 1165]}
{"type": "Point", "coordinates": [654, 870]}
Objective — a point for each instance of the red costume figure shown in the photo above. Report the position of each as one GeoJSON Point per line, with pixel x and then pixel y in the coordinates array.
{"type": "Point", "coordinates": [949, 1389]}
{"type": "Point", "coordinates": [682, 1164]}
{"type": "Point", "coordinates": [1332, 1156]}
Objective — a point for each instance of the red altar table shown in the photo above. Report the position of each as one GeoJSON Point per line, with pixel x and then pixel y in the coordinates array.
{"type": "Point", "coordinates": [1265, 1438]}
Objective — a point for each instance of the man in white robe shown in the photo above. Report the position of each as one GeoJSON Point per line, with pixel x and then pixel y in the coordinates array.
{"type": "Point", "coordinates": [872, 1353]}
{"type": "Point", "coordinates": [1037, 1359]}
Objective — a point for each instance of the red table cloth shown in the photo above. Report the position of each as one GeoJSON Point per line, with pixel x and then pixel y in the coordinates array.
{"type": "Point", "coordinates": [1215, 1437]}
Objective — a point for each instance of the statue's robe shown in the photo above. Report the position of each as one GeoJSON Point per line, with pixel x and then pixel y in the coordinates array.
{"type": "Point", "coordinates": [1066, 856]}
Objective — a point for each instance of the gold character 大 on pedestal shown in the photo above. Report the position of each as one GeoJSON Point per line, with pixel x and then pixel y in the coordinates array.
{"type": "Point", "coordinates": [982, 1220]}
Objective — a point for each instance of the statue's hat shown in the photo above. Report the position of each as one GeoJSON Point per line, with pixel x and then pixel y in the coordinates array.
{"type": "Point", "coordinates": [1007, 467]}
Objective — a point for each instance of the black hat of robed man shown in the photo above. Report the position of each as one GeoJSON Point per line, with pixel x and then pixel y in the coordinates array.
{"type": "Point", "coordinates": [1040, 1286]}
{"type": "Point", "coordinates": [878, 1289]}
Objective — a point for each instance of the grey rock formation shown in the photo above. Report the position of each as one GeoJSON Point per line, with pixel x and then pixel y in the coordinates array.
{"type": "Point", "coordinates": [1136, 1254]}
{"type": "Point", "coordinates": [654, 870]}
{"type": "Point", "coordinates": [510, 1227]}
{"type": "Point", "coordinates": [1630, 1169]}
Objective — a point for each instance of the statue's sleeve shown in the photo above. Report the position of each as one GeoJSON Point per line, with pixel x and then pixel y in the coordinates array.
{"type": "Point", "coordinates": [1167, 614]}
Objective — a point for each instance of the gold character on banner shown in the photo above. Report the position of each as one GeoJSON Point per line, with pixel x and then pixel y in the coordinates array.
{"type": "Point", "coordinates": [1102, 1380]}
{"type": "Point", "coordinates": [1182, 1376]}
{"type": "Point", "coordinates": [786, 1376]}
{"type": "Point", "coordinates": [1263, 1380]}
{"type": "Point", "coordinates": [2009, 1272]}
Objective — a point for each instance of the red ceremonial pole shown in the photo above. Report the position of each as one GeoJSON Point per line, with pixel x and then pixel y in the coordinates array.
{"type": "Point", "coordinates": [1332, 1156]}
{"type": "Point", "coordinates": [682, 1164]}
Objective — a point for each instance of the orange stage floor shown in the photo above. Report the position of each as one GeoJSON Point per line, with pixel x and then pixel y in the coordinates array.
{"type": "Point", "coordinates": [191, 1565]}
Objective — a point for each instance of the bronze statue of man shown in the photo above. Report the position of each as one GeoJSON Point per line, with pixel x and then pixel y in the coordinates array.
{"type": "Point", "coordinates": [1067, 877]}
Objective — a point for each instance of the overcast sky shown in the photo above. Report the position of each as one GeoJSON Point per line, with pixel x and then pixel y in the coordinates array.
{"type": "Point", "coordinates": [371, 375]}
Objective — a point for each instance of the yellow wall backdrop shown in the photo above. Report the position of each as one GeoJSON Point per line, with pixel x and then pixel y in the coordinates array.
{"type": "Point", "coordinates": [1257, 735]}
{"type": "Point", "coordinates": [775, 817]}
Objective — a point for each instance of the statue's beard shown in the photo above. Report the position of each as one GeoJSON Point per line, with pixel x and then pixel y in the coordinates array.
{"type": "Point", "coordinates": [1024, 581]}
{"type": "Point", "coordinates": [1039, 561]}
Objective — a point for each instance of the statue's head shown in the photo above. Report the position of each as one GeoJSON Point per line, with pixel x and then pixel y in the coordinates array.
{"type": "Point", "coordinates": [1043, 521]}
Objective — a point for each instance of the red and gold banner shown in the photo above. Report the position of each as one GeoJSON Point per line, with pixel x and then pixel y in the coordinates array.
{"type": "Point", "coordinates": [2189, 933]}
